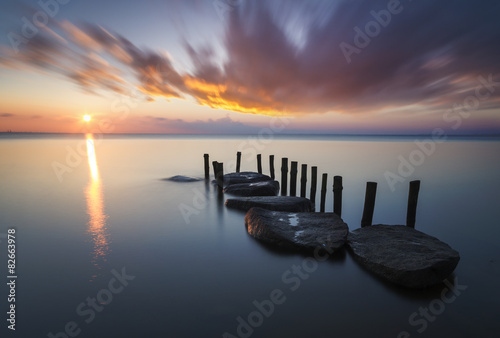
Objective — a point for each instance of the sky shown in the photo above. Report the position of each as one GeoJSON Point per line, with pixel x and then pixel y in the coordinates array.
{"type": "Point", "coordinates": [239, 66]}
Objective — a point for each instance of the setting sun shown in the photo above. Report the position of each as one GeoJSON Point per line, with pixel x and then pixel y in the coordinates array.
{"type": "Point", "coordinates": [87, 118]}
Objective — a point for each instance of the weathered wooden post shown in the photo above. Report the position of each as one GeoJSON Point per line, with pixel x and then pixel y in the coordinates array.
{"type": "Point", "coordinates": [214, 165]}
{"type": "Point", "coordinates": [337, 195]}
{"type": "Point", "coordinates": [284, 175]}
{"type": "Point", "coordinates": [293, 179]}
{"type": "Point", "coordinates": [412, 203]}
{"type": "Point", "coordinates": [220, 176]}
{"type": "Point", "coordinates": [371, 192]}
{"type": "Point", "coordinates": [303, 180]}
{"type": "Point", "coordinates": [238, 161]}
{"type": "Point", "coordinates": [323, 192]}
{"type": "Point", "coordinates": [314, 182]}
{"type": "Point", "coordinates": [207, 167]}
{"type": "Point", "coordinates": [259, 163]}
{"type": "Point", "coordinates": [271, 166]}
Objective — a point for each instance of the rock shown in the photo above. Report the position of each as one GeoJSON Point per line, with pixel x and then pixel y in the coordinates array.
{"type": "Point", "coordinates": [276, 203]}
{"type": "Point", "coordinates": [244, 177]}
{"type": "Point", "coordinates": [180, 178]}
{"type": "Point", "coordinates": [265, 188]}
{"type": "Point", "coordinates": [403, 255]}
{"type": "Point", "coordinates": [301, 230]}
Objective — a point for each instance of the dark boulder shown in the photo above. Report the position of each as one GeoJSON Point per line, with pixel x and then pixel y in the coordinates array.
{"type": "Point", "coordinates": [276, 203]}
{"type": "Point", "coordinates": [301, 230]}
{"type": "Point", "coordinates": [265, 188]}
{"type": "Point", "coordinates": [403, 255]}
{"type": "Point", "coordinates": [244, 177]}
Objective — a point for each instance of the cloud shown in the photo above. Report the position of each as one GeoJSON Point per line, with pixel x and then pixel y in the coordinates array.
{"type": "Point", "coordinates": [429, 53]}
{"type": "Point", "coordinates": [6, 115]}
{"type": "Point", "coordinates": [211, 126]}
{"type": "Point", "coordinates": [291, 56]}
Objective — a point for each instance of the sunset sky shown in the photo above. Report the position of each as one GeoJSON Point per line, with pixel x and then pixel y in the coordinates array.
{"type": "Point", "coordinates": [233, 66]}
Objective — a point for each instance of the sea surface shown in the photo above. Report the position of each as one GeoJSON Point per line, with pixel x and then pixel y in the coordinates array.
{"type": "Point", "coordinates": [106, 248]}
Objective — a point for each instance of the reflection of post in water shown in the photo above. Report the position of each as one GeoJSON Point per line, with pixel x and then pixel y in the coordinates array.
{"type": "Point", "coordinates": [95, 209]}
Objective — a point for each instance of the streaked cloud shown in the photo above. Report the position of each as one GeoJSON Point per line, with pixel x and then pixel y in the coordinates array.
{"type": "Point", "coordinates": [287, 56]}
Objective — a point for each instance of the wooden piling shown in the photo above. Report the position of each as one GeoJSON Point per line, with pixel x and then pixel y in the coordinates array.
{"type": "Point", "coordinates": [220, 177]}
{"type": "Point", "coordinates": [303, 180]}
{"type": "Point", "coordinates": [284, 175]}
{"type": "Point", "coordinates": [323, 192]}
{"type": "Point", "coordinates": [337, 195]}
{"type": "Point", "coordinates": [271, 166]}
{"type": "Point", "coordinates": [259, 163]}
{"type": "Point", "coordinates": [314, 182]}
{"type": "Point", "coordinates": [411, 212]}
{"type": "Point", "coordinates": [214, 165]}
{"type": "Point", "coordinates": [207, 167]}
{"type": "Point", "coordinates": [293, 179]}
{"type": "Point", "coordinates": [371, 192]}
{"type": "Point", "coordinates": [238, 161]}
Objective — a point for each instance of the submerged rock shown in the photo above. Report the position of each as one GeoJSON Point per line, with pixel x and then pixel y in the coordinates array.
{"type": "Point", "coordinates": [265, 188]}
{"type": "Point", "coordinates": [276, 203]}
{"type": "Point", "coordinates": [180, 178]}
{"type": "Point", "coordinates": [403, 255]}
{"type": "Point", "coordinates": [301, 230]}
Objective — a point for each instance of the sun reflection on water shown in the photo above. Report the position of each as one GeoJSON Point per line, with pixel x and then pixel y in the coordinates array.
{"type": "Point", "coordinates": [97, 227]}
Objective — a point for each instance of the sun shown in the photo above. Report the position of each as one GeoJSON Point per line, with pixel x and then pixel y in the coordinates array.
{"type": "Point", "coordinates": [87, 118]}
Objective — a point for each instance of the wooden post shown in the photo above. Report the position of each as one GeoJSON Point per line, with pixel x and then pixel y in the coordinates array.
{"type": "Point", "coordinates": [271, 166]}
{"type": "Point", "coordinates": [238, 161]}
{"type": "Point", "coordinates": [314, 182]}
{"type": "Point", "coordinates": [293, 179]}
{"type": "Point", "coordinates": [412, 203]}
{"type": "Point", "coordinates": [303, 180]}
{"type": "Point", "coordinates": [337, 195]}
{"type": "Point", "coordinates": [220, 176]}
{"type": "Point", "coordinates": [214, 165]}
{"type": "Point", "coordinates": [323, 192]}
{"type": "Point", "coordinates": [371, 192]}
{"type": "Point", "coordinates": [284, 174]}
{"type": "Point", "coordinates": [207, 167]}
{"type": "Point", "coordinates": [259, 163]}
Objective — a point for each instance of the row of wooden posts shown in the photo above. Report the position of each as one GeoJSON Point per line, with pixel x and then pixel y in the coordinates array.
{"type": "Point", "coordinates": [371, 187]}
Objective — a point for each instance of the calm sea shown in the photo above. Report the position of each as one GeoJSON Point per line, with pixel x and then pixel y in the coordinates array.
{"type": "Point", "coordinates": [105, 248]}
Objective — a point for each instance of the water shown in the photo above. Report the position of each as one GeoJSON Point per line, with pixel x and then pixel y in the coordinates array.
{"type": "Point", "coordinates": [104, 208]}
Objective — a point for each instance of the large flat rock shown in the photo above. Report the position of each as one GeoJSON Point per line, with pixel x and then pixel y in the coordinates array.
{"type": "Point", "coordinates": [244, 177]}
{"type": "Point", "coordinates": [275, 203]}
{"type": "Point", "coordinates": [264, 188]}
{"type": "Point", "coordinates": [300, 230]}
{"type": "Point", "coordinates": [403, 255]}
